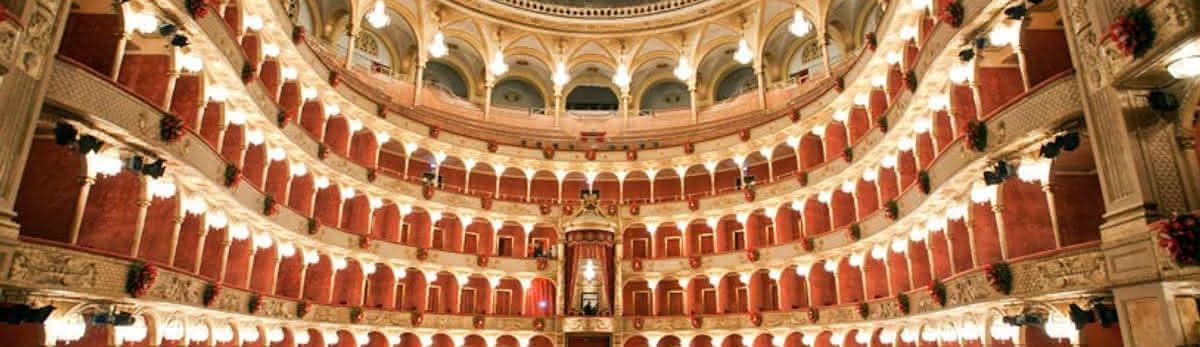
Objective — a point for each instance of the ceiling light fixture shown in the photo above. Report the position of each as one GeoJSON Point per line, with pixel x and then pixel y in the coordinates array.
{"type": "Point", "coordinates": [683, 71]}
{"type": "Point", "coordinates": [498, 67]}
{"type": "Point", "coordinates": [800, 25]}
{"type": "Point", "coordinates": [437, 47]}
{"type": "Point", "coordinates": [560, 77]}
{"type": "Point", "coordinates": [743, 54]}
{"type": "Point", "coordinates": [378, 17]}
{"type": "Point", "coordinates": [621, 78]}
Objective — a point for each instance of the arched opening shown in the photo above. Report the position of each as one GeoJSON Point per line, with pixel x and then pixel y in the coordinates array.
{"type": "Point", "coordinates": [592, 98]}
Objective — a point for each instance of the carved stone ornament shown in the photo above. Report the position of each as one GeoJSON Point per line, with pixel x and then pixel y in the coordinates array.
{"type": "Point", "coordinates": [588, 324]}
{"type": "Point", "coordinates": [1068, 272]}
{"type": "Point", "coordinates": [968, 289]}
{"type": "Point", "coordinates": [178, 289]}
{"type": "Point", "coordinates": [52, 269]}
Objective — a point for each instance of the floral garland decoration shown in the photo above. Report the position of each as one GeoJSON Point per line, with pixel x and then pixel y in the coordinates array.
{"type": "Point", "coordinates": [1180, 235]}
{"type": "Point", "coordinates": [270, 207]}
{"type": "Point", "coordinates": [141, 278]}
{"type": "Point", "coordinates": [356, 315]}
{"type": "Point", "coordinates": [923, 181]}
{"type": "Point", "coordinates": [197, 8]}
{"type": "Point", "coordinates": [802, 178]}
{"type": "Point", "coordinates": [937, 290]}
{"type": "Point", "coordinates": [904, 303]}
{"type": "Point", "coordinates": [882, 122]}
{"type": "Point", "coordinates": [814, 315]}
{"type": "Point", "coordinates": [1132, 31]}
{"type": "Point", "coordinates": [233, 175]}
{"type": "Point", "coordinates": [303, 308]}
{"type": "Point", "coordinates": [255, 304]}
{"type": "Point", "coordinates": [953, 13]}
{"type": "Point", "coordinates": [976, 136]}
{"type": "Point", "coordinates": [282, 118]}
{"type": "Point", "coordinates": [312, 226]}
{"type": "Point", "coordinates": [848, 153]}
{"type": "Point", "coordinates": [892, 209]}
{"type": "Point", "coordinates": [171, 128]}
{"type": "Point", "coordinates": [855, 232]}
{"type": "Point", "coordinates": [864, 310]}
{"type": "Point", "coordinates": [999, 275]}
{"type": "Point", "coordinates": [212, 291]}
{"type": "Point", "coordinates": [910, 81]}
{"type": "Point", "coordinates": [809, 244]}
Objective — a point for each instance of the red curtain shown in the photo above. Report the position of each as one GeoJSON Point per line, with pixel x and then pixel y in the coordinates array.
{"type": "Point", "coordinates": [599, 253]}
{"type": "Point", "coordinates": [539, 291]}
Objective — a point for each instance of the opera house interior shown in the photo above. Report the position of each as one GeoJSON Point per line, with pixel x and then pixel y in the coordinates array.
{"type": "Point", "coordinates": [608, 173]}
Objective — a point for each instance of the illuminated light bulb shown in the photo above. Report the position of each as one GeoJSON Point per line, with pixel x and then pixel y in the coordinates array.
{"type": "Point", "coordinates": [160, 188]}
{"type": "Point", "coordinates": [332, 109]}
{"type": "Point", "coordinates": [743, 54]}
{"type": "Point", "coordinates": [622, 78]}
{"type": "Point", "coordinates": [969, 330]}
{"type": "Point", "coordinates": [197, 332]}
{"type": "Point", "coordinates": [819, 130]}
{"type": "Point", "coordinates": [560, 77]}
{"type": "Point", "coordinates": [714, 279]}
{"type": "Point", "coordinates": [347, 192]}
{"type": "Point", "coordinates": [803, 269]}
{"type": "Point", "coordinates": [191, 63]}
{"type": "Point", "coordinates": [308, 93]}
{"type": "Point", "coordinates": [301, 337]}
{"type": "Point", "coordinates": [410, 147]}
{"type": "Point", "coordinates": [143, 22]}
{"type": "Point", "coordinates": [939, 102]}
{"type": "Point", "coordinates": [797, 205]}
{"type": "Point", "coordinates": [289, 73]}
{"type": "Point", "coordinates": [856, 260]}
{"type": "Point", "coordinates": [1003, 331]}
{"type": "Point", "coordinates": [1036, 170]}
{"type": "Point", "coordinates": [830, 266]}
{"type": "Point", "coordinates": [906, 144]}
{"type": "Point", "coordinates": [374, 202]}
{"type": "Point", "coordinates": [888, 161]}
{"type": "Point", "coordinates": [369, 269]}
{"type": "Point", "coordinates": [878, 252]}
{"type": "Point", "coordinates": [825, 196]}
{"type": "Point", "coordinates": [745, 277]}
{"type": "Point", "coordinates": [981, 193]}
{"type": "Point", "coordinates": [255, 137]}
{"type": "Point", "coordinates": [276, 154]}
{"type": "Point", "coordinates": [930, 334]}
{"type": "Point", "coordinates": [171, 331]}
{"type": "Point", "coordinates": [218, 93]}
{"type": "Point", "coordinates": [331, 337]}
{"type": "Point", "coordinates": [311, 257]}
{"type": "Point", "coordinates": [849, 186]}
{"type": "Point", "coordinates": [800, 25]}
{"type": "Point", "coordinates": [271, 50]}
{"type": "Point", "coordinates": [961, 73]}
{"type": "Point", "coordinates": [918, 234]}
{"type": "Point", "coordinates": [909, 335]}
{"type": "Point", "coordinates": [286, 249]}
{"type": "Point", "coordinates": [710, 165]}
{"type": "Point", "coordinates": [809, 339]}
{"type": "Point", "coordinates": [263, 241]}
{"type": "Point", "coordinates": [439, 157]}
{"type": "Point", "coordinates": [870, 175]}
{"type": "Point", "coordinates": [194, 205]}
{"type": "Point", "coordinates": [67, 328]}
{"type": "Point", "coordinates": [235, 117]}
{"type": "Point", "coordinates": [216, 219]}
{"type": "Point", "coordinates": [712, 221]}
{"type": "Point", "coordinates": [339, 263]}
{"type": "Point", "coordinates": [742, 217]}
{"type": "Point", "coordinates": [248, 333]}
{"type": "Point", "coordinates": [792, 141]}
{"type": "Point", "coordinates": [135, 332]}
{"type": "Point", "coordinates": [355, 125]}
{"type": "Point", "coordinates": [683, 70]}
{"type": "Point", "coordinates": [935, 224]}
{"type": "Point", "coordinates": [1003, 35]}
{"type": "Point", "coordinates": [893, 58]}
{"type": "Point", "coordinates": [275, 334]}
{"type": "Point", "coordinates": [841, 116]}
{"type": "Point", "coordinates": [739, 159]}
{"type": "Point", "coordinates": [497, 67]}
{"type": "Point", "coordinates": [298, 169]}
{"type": "Point", "coordinates": [405, 209]}
{"type": "Point", "coordinates": [956, 212]}
{"type": "Point", "coordinates": [908, 32]}
{"type": "Point", "coordinates": [878, 81]}
{"type": "Point", "coordinates": [899, 246]}
{"type": "Point", "coordinates": [437, 47]}
{"type": "Point", "coordinates": [1185, 68]}
{"type": "Point", "coordinates": [321, 182]}
{"type": "Point", "coordinates": [435, 215]}
{"type": "Point", "coordinates": [378, 16]}
{"type": "Point", "coordinates": [253, 22]}
{"type": "Point", "coordinates": [861, 99]}
{"type": "Point", "coordinates": [887, 336]}
{"type": "Point", "coordinates": [238, 231]}
{"type": "Point", "coordinates": [922, 125]}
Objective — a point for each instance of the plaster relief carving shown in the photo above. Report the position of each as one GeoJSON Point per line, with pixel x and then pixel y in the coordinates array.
{"type": "Point", "coordinates": [53, 269]}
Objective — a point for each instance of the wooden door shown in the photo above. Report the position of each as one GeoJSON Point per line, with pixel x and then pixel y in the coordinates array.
{"type": "Point", "coordinates": [434, 299]}
{"type": "Point", "coordinates": [675, 303]}
{"type": "Point", "coordinates": [639, 248]}
{"type": "Point", "coordinates": [503, 302]}
{"type": "Point", "coordinates": [743, 300]}
{"type": "Point", "coordinates": [710, 301]}
{"type": "Point", "coordinates": [706, 243]}
{"type": "Point", "coordinates": [466, 302]}
{"type": "Point", "coordinates": [739, 239]}
{"type": "Point", "coordinates": [505, 246]}
{"type": "Point", "coordinates": [674, 247]}
{"type": "Point", "coordinates": [471, 243]}
{"type": "Point", "coordinates": [641, 303]}
{"type": "Point", "coordinates": [436, 236]}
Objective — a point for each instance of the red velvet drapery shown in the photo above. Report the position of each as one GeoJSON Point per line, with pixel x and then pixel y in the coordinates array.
{"type": "Point", "coordinates": [540, 291]}
{"type": "Point", "coordinates": [600, 254]}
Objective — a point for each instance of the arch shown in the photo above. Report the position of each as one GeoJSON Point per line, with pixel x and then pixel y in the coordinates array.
{"type": "Point", "coordinates": [590, 97]}
{"type": "Point", "coordinates": [448, 77]}
{"type": "Point", "coordinates": [733, 82]}
{"type": "Point", "coordinates": [664, 94]}
{"type": "Point", "coordinates": [519, 91]}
